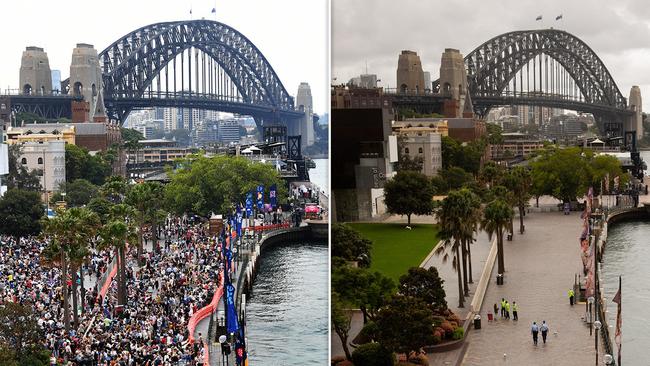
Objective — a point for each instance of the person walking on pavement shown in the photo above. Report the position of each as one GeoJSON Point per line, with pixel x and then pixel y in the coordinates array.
{"type": "Point", "coordinates": [544, 329]}
{"type": "Point", "coordinates": [571, 296]}
{"type": "Point", "coordinates": [515, 308]}
{"type": "Point", "coordinates": [507, 310]}
{"type": "Point", "coordinates": [496, 311]}
{"type": "Point", "coordinates": [503, 307]}
{"type": "Point", "coordinates": [535, 330]}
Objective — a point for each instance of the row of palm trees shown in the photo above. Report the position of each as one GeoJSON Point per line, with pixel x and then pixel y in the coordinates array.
{"type": "Point", "coordinates": [72, 232]}
{"type": "Point", "coordinates": [463, 213]}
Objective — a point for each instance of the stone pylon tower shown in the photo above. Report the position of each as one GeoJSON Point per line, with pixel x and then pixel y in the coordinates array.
{"type": "Point", "coordinates": [453, 78]}
{"type": "Point", "coordinates": [410, 77]}
{"type": "Point", "coordinates": [306, 125]}
{"type": "Point", "coordinates": [635, 123]}
{"type": "Point", "coordinates": [35, 73]}
{"type": "Point", "coordinates": [86, 79]}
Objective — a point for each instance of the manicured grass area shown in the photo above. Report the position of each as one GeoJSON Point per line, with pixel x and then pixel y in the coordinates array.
{"type": "Point", "coordinates": [395, 249]}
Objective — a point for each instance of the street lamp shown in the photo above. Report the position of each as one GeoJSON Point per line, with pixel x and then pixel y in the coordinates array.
{"type": "Point", "coordinates": [590, 300]}
{"type": "Point", "coordinates": [608, 359]}
{"type": "Point", "coordinates": [225, 349]}
{"type": "Point", "coordinates": [597, 325]}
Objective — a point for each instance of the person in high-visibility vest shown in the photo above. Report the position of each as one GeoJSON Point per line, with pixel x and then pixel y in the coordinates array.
{"type": "Point", "coordinates": [507, 310]}
{"type": "Point", "coordinates": [515, 308]}
{"type": "Point", "coordinates": [503, 307]}
{"type": "Point", "coordinates": [571, 297]}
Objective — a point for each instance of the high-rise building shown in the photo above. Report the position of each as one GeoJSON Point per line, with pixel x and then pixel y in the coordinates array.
{"type": "Point", "coordinates": [56, 81]}
{"type": "Point", "coordinates": [170, 118]}
{"type": "Point", "coordinates": [427, 81]}
{"type": "Point", "coordinates": [228, 131]}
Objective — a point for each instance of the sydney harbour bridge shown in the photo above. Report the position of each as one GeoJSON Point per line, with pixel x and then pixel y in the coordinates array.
{"type": "Point", "coordinates": [546, 67]}
{"type": "Point", "coordinates": [197, 64]}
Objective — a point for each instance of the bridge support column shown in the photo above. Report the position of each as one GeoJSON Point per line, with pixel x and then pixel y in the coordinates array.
{"type": "Point", "coordinates": [635, 122]}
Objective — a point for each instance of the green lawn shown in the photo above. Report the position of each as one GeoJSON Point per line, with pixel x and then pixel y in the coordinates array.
{"type": "Point", "coordinates": [395, 249]}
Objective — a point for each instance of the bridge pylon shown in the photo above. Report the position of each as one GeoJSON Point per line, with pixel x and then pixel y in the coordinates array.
{"type": "Point", "coordinates": [86, 79]}
{"type": "Point", "coordinates": [35, 73]}
{"type": "Point", "coordinates": [635, 121]}
{"type": "Point", "coordinates": [453, 79]}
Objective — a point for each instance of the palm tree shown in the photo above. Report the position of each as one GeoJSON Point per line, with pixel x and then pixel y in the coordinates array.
{"type": "Point", "coordinates": [497, 215]}
{"type": "Point", "coordinates": [114, 189]}
{"type": "Point", "coordinates": [87, 223]}
{"type": "Point", "coordinates": [519, 182]}
{"type": "Point", "coordinates": [58, 229]}
{"type": "Point", "coordinates": [451, 215]}
{"type": "Point", "coordinates": [114, 235]}
{"type": "Point", "coordinates": [472, 221]}
{"type": "Point", "coordinates": [146, 198]}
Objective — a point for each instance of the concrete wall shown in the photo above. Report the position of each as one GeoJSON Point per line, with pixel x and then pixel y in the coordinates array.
{"type": "Point", "coordinates": [51, 156]}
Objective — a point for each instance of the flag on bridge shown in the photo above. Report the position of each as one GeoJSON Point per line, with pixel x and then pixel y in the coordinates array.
{"type": "Point", "coordinates": [231, 313]}
{"type": "Point", "coordinates": [214, 10]}
{"type": "Point", "coordinates": [539, 17]}
{"type": "Point", "coordinates": [558, 17]}
{"type": "Point", "coordinates": [249, 204]}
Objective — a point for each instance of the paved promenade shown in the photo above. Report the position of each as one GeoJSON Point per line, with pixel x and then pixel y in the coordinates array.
{"type": "Point", "coordinates": [540, 267]}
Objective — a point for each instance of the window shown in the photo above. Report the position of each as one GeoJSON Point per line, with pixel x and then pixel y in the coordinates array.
{"type": "Point", "coordinates": [23, 161]}
{"type": "Point", "coordinates": [40, 160]}
{"type": "Point", "coordinates": [420, 150]}
{"type": "Point", "coordinates": [406, 150]}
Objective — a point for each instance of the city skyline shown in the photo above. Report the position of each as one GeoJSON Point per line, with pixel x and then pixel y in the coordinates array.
{"type": "Point", "coordinates": [622, 44]}
{"type": "Point", "coordinates": [307, 61]}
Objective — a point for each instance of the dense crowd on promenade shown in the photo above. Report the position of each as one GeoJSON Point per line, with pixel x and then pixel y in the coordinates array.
{"type": "Point", "coordinates": [165, 289]}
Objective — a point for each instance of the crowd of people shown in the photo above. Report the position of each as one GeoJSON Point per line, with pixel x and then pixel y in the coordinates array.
{"type": "Point", "coordinates": [165, 288]}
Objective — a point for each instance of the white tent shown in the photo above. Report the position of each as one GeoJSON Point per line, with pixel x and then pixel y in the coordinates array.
{"type": "Point", "coordinates": [247, 151]}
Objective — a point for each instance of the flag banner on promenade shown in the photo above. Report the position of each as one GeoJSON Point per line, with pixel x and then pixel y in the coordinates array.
{"type": "Point", "coordinates": [607, 183]}
{"type": "Point", "coordinates": [273, 190]}
{"type": "Point", "coordinates": [558, 17]}
{"type": "Point", "coordinates": [231, 313]}
{"type": "Point", "coordinates": [616, 183]}
{"type": "Point", "coordinates": [239, 220]}
{"type": "Point", "coordinates": [249, 204]}
{"type": "Point", "coordinates": [619, 320]}
{"type": "Point", "coordinates": [240, 347]}
{"type": "Point", "coordinates": [260, 196]}
{"type": "Point", "coordinates": [539, 17]}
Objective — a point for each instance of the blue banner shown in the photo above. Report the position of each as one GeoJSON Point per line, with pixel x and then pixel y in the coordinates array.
{"type": "Point", "coordinates": [239, 222]}
{"type": "Point", "coordinates": [249, 204]}
{"type": "Point", "coordinates": [273, 190]}
{"type": "Point", "coordinates": [260, 197]}
{"type": "Point", "coordinates": [231, 313]}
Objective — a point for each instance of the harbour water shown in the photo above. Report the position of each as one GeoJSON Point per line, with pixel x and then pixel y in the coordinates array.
{"type": "Point", "coordinates": [320, 174]}
{"type": "Point", "coordinates": [287, 313]}
{"type": "Point", "coordinates": [627, 254]}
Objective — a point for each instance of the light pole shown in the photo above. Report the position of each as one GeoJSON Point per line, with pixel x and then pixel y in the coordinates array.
{"type": "Point", "coordinates": [590, 300]}
{"type": "Point", "coordinates": [597, 325]}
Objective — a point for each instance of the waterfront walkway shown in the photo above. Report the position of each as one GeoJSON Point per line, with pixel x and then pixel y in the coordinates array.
{"type": "Point", "coordinates": [540, 267]}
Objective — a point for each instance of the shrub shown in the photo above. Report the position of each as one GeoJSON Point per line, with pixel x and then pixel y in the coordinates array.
{"type": "Point", "coordinates": [448, 328]}
{"type": "Point", "coordinates": [419, 359]}
{"type": "Point", "coordinates": [372, 354]}
{"type": "Point", "coordinates": [459, 333]}
{"type": "Point", "coordinates": [437, 338]}
{"type": "Point", "coordinates": [369, 332]}
{"type": "Point", "coordinates": [337, 359]}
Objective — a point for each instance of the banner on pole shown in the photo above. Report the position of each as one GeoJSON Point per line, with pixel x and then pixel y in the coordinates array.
{"type": "Point", "coordinates": [260, 196]}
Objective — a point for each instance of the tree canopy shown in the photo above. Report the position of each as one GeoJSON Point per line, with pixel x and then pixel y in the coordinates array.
{"type": "Point", "coordinates": [77, 193]}
{"type": "Point", "coordinates": [348, 244]}
{"type": "Point", "coordinates": [79, 164]}
{"type": "Point", "coordinates": [408, 193]}
{"type": "Point", "coordinates": [405, 324]}
{"type": "Point", "coordinates": [426, 285]}
{"type": "Point", "coordinates": [363, 288]}
{"type": "Point", "coordinates": [20, 212]}
{"type": "Point", "coordinates": [19, 177]}
{"type": "Point", "coordinates": [203, 185]}
{"type": "Point", "coordinates": [20, 337]}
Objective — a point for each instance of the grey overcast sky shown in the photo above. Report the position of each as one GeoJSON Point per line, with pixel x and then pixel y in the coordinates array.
{"type": "Point", "coordinates": [292, 34]}
{"type": "Point", "coordinates": [375, 31]}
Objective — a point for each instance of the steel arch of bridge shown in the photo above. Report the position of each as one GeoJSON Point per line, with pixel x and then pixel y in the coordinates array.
{"type": "Point", "coordinates": [492, 65]}
{"type": "Point", "coordinates": [131, 63]}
